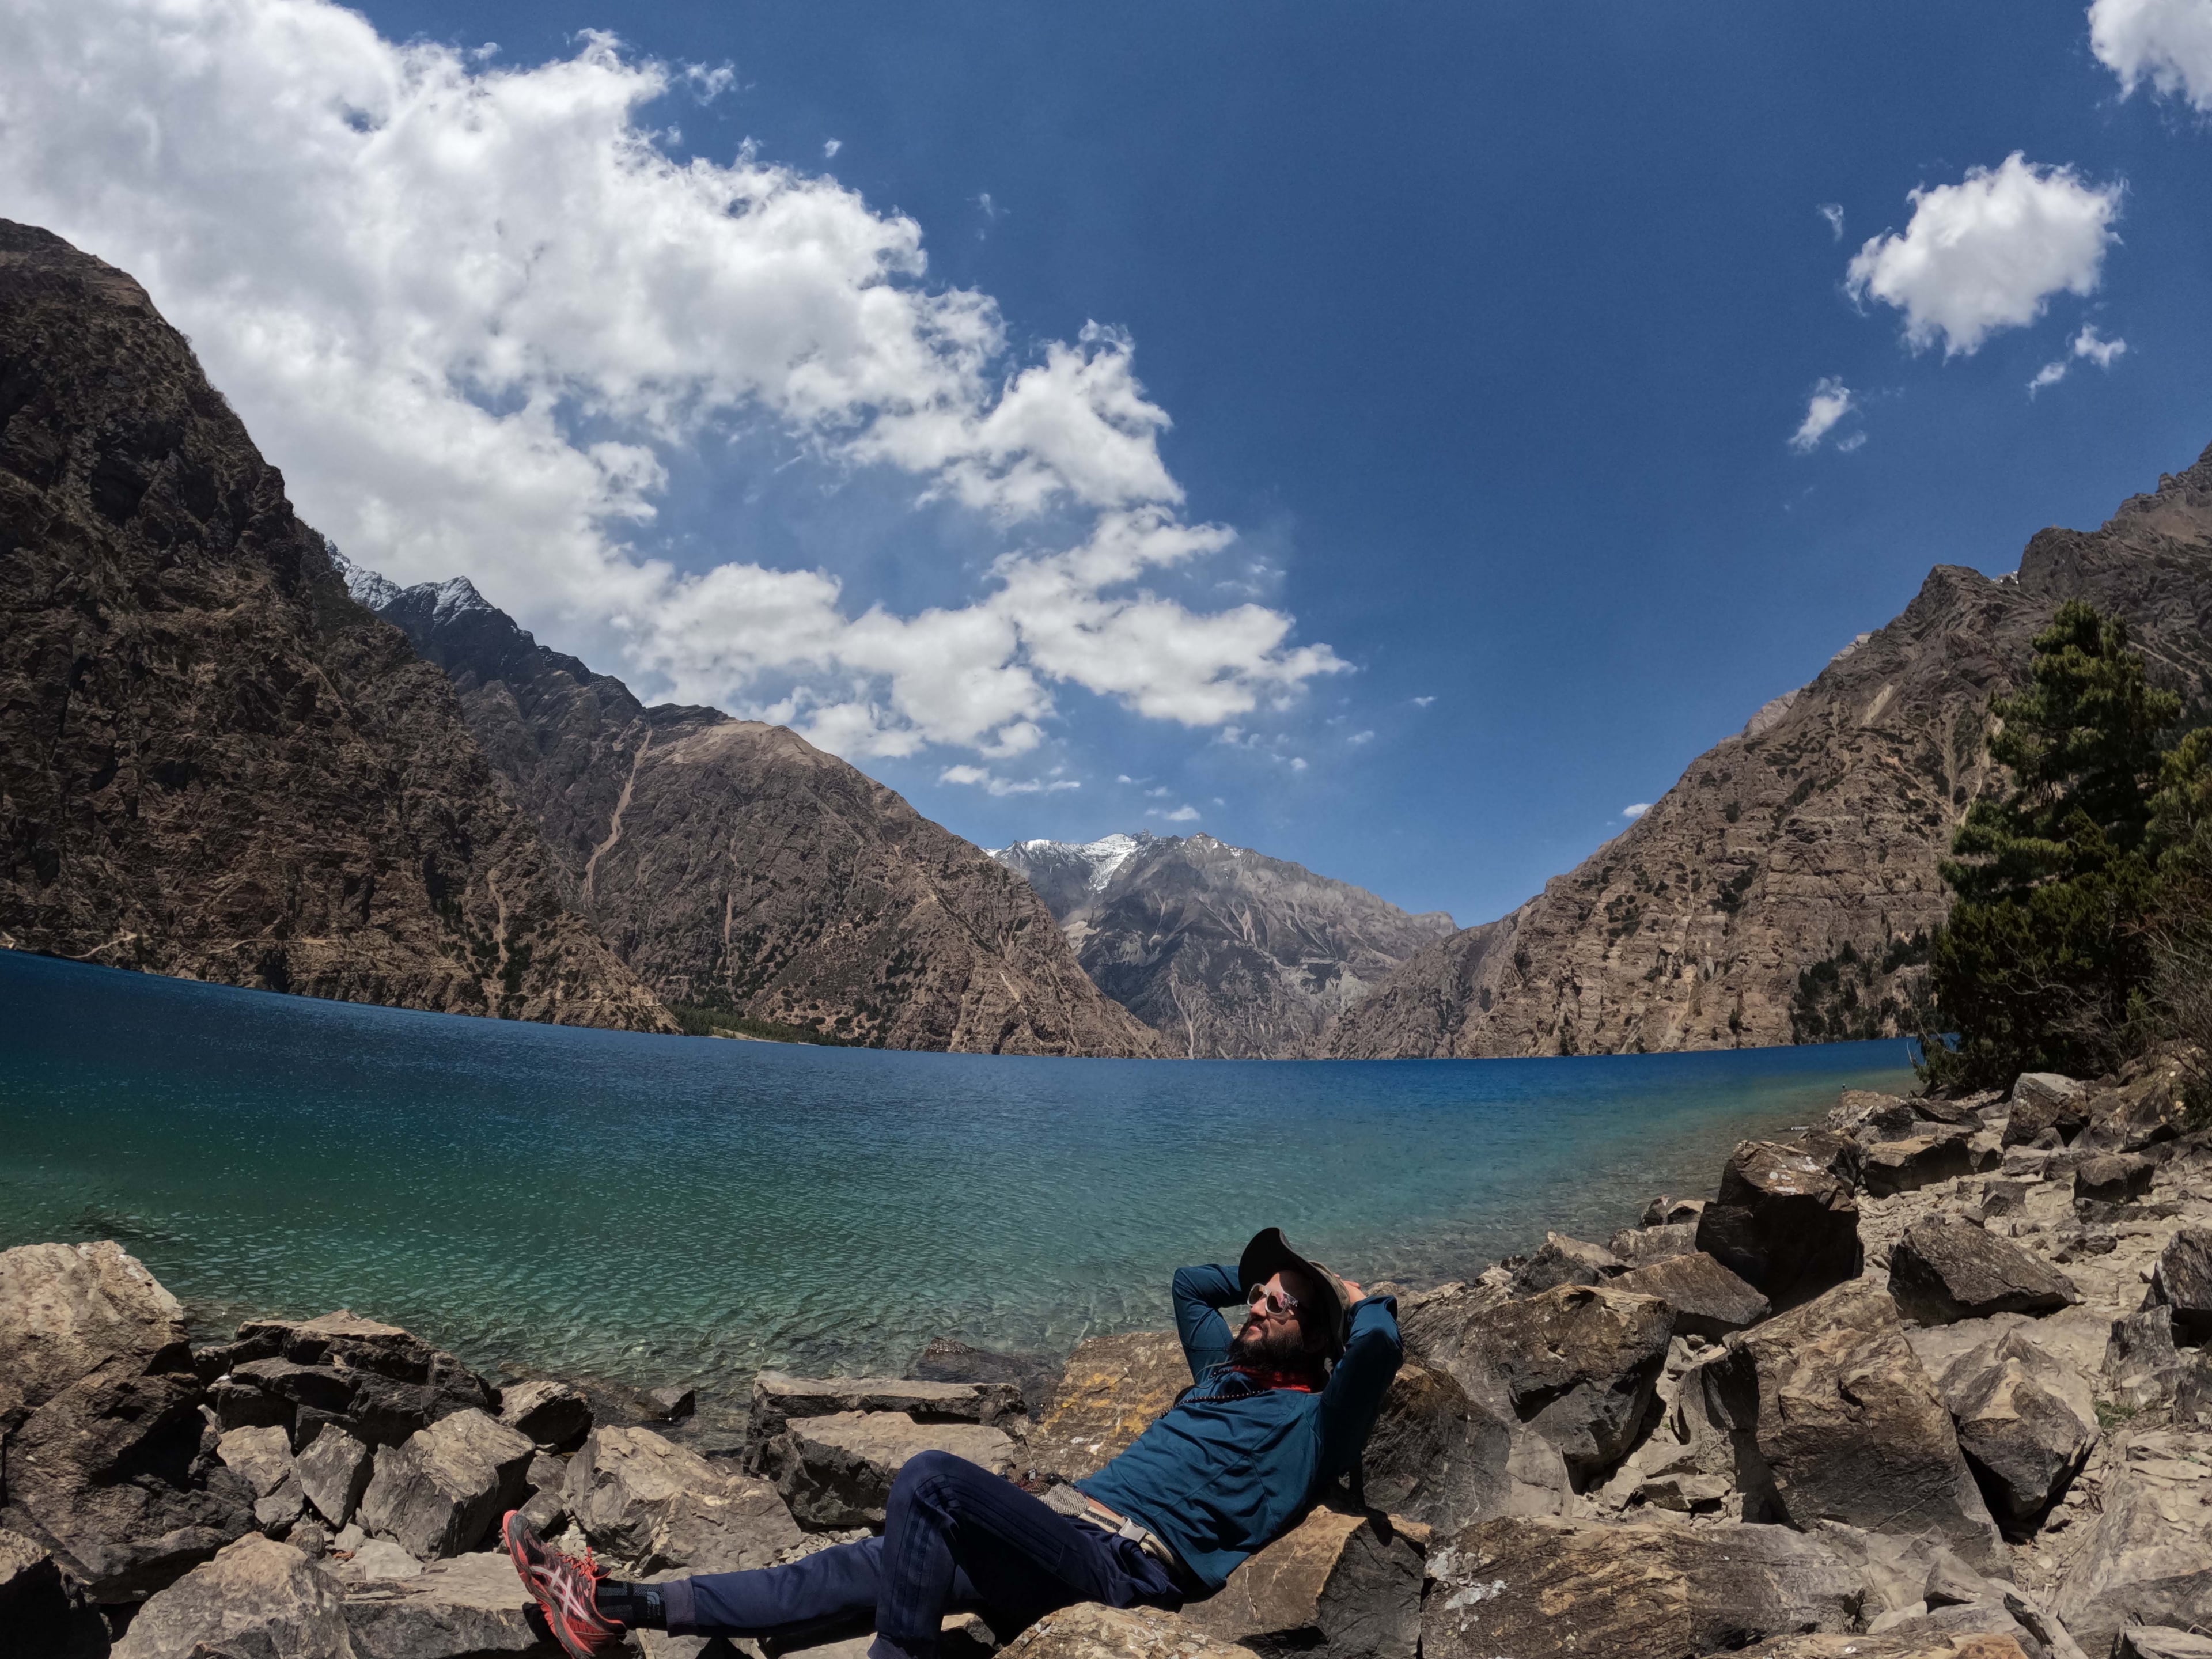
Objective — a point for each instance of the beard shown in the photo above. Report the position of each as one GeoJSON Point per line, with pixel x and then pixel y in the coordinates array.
{"type": "Point", "coordinates": [1264, 1349]}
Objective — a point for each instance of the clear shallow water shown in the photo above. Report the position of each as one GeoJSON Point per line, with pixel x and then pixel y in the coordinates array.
{"type": "Point", "coordinates": [662, 1209]}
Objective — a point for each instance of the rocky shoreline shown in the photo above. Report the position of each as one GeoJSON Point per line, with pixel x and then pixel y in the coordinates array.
{"type": "Point", "coordinates": [1926, 1380]}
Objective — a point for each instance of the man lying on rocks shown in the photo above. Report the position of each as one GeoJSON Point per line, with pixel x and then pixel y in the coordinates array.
{"type": "Point", "coordinates": [1271, 1416]}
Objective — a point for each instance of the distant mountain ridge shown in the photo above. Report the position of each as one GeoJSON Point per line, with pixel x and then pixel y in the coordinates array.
{"type": "Point", "coordinates": [1228, 953]}
{"type": "Point", "coordinates": [733, 865]}
{"type": "Point", "coordinates": [214, 763]}
{"type": "Point", "coordinates": [1781, 890]}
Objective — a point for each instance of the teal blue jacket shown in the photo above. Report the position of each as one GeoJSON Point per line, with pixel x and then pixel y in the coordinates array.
{"type": "Point", "coordinates": [1231, 1467]}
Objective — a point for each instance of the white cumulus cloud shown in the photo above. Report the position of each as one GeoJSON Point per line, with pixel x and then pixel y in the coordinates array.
{"type": "Point", "coordinates": [475, 314]}
{"type": "Point", "coordinates": [1637, 810]}
{"type": "Point", "coordinates": [2168, 42]}
{"type": "Point", "coordinates": [1185, 814]}
{"type": "Point", "coordinates": [1831, 401]}
{"type": "Point", "coordinates": [1989, 252]}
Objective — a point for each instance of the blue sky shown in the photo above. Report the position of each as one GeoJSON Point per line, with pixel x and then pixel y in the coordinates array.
{"type": "Point", "coordinates": [1485, 329]}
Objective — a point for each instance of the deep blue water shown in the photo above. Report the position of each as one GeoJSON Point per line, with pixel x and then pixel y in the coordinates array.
{"type": "Point", "coordinates": [661, 1208]}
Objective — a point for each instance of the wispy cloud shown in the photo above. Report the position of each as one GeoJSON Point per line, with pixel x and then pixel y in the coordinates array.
{"type": "Point", "coordinates": [1831, 401]}
{"type": "Point", "coordinates": [831, 148]}
{"type": "Point", "coordinates": [1185, 814]}
{"type": "Point", "coordinates": [1834, 213]}
{"type": "Point", "coordinates": [983, 777]}
{"type": "Point", "coordinates": [2088, 344]}
{"type": "Point", "coordinates": [1423, 702]}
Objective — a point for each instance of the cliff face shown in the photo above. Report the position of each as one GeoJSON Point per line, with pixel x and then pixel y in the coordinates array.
{"type": "Point", "coordinates": [735, 865]}
{"type": "Point", "coordinates": [1229, 954]}
{"type": "Point", "coordinates": [1778, 892]}
{"type": "Point", "coordinates": [213, 762]}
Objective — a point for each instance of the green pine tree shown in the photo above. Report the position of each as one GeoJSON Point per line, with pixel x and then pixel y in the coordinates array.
{"type": "Point", "coordinates": [2044, 961]}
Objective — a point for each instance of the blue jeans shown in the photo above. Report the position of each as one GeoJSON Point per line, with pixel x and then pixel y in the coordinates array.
{"type": "Point", "coordinates": [953, 1533]}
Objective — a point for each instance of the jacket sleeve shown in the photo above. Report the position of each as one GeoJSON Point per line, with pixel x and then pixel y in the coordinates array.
{"type": "Point", "coordinates": [1354, 1395]}
{"type": "Point", "coordinates": [1199, 1293]}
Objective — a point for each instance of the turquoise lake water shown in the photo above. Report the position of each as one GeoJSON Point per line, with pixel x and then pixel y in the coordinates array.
{"type": "Point", "coordinates": [665, 1209]}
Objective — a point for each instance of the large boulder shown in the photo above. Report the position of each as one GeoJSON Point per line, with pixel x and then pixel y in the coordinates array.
{"type": "Point", "coordinates": [1436, 1455]}
{"type": "Point", "coordinates": [2182, 1280]}
{"type": "Point", "coordinates": [1946, 1268]}
{"type": "Point", "coordinates": [334, 1471]}
{"type": "Point", "coordinates": [1577, 1364]}
{"type": "Point", "coordinates": [440, 1491]}
{"type": "Point", "coordinates": [378, 1382]}
{"type": "Point", "coordinates": [1340, 1586]}
{"type": "Point", "coordinates": [1834, 1418]}
{"type": "Point", "coordinates": [1539, 1588]}
{"type": "Point", "coordinates": [1639, 1247]}
{"type": "Point", "coordinates": [2026, 1420]}
{"type": "Point", "coordinates": [2147, 1558]}
{"type": "Point", "coordinates": [1111, 1390]}
{"type": "Point", "coordinates": [472, 1607]}
{"type": "Point", "coordinates": [650, 1506]}
{"type": "Point", "coordinates": [257, 1600]}
{"type": "Point", "coordinates": [1686, 1464]}
{"type": "Point", "coordinates": [1708, 1300]}
{"type": "Point", "coordinates": [34, 1608]}
{"type": "Point", "coordinates": [780, 1398]}
{"type": "Point", "coordinates": [1784, 1222]}
{"type": "Point", "coordinates": [99, 1420]}
{"type": "Point", "coordinates": [556, 1415]}
{"type": "Point", "coordinates": [835, 1472]}
{"type": "Point", "coordinates": [1090, 1630]}
{"type": "Point", "coordinates": [1563, 1261]}
{"type": "Point", "coordinates": [1887, 1167]}
{"type": "Point", "coordinates": [2045, 1102]}
{"type": "Point", "coordinates": [2113, 1178]}
{"type": "Point", "coordinates": [1434, 1323]}
{"type": "Point", "coordinates": [262, 1459]}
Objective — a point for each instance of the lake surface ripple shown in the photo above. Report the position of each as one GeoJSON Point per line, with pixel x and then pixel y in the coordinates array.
{"type": "Point", "coordinates": [662, 1209]}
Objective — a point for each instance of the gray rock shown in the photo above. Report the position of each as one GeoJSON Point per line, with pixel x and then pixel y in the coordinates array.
{"type": "Point", "coordinates": [2162, 1642]}
{"type": "Point", "coordinates": [316, 1386]}
{"type": "Point", "coordinates": [672, 1404]}
{"type": "Point", "coordinates": [1946, 1268]}
{"type": "Point", "coordinates": [2003, 1198]}
{"type": "Point", "coordinates": [2026, 1422]}
{"type": "Point", "coordinates": [1834, 1418]}
{"type": "Point", "coordinates": [471, 1606]}
{"type": "Point", "coordinates": [2043, 1101]}
{"type": "Point", "coordinates": [1090, 1631]}
{"type": "Point", "coordinates": [34, 1608]}
{"type": "Point", "coordinates": [2147, 1558]}
{"type": "Point", "coordinates": [1545, 1589]}
{"type": "Point", "coordinates": [381, 1558]}
{"type": "Point", "coordinates": [257, 1597]}
{"type": "Point", "coordinates": [1639, 1247]}
{"type": "Point", "coordinates": [1434, 1323]}
{"type": "Point", "coordinates": [554, 1414]}
{"type": "Point", "coordinates": [778, 1397]}
{"type": "Point", "coordinates": [1708, 1300]}
{"type": "Point", "coordinates": [835, 1472]}
{"type": "Point", "coordinates": [650, 1507]}
{"type": "Point", "coordinates": [1667, 1211]}
{"type": "Point", "coordinates": [1891, 1167]}
{"type": "Point", "coordinates": [1563, 1261]}
{"type": "Point", "coordinates": [1577, 1364]}
{"type": "Point", "coordinates": [1111, 1390]}
{"type": "Point", "coordinates": [1784, 1222]}
{"type": "Point", "coordinates": [2113, 1178]}
{"type": "Point", "coordinates": [261, 1457]}
{"type": "Point", "coordinates": [334, 1471]}
{"type": "Point", "coordinates": [1436, 1455]}
{"type": "Point", "coordinates": [2182, 1281]}
{"type": "Point", "coordinates": [439, 1493]}
{"type": "Point", "coordinates": [1342, 1586]}
{"type": "Point", "coordinates": [100, 1414]}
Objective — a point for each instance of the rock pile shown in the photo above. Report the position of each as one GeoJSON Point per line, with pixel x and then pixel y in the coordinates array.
{"type": "Point", "coordinates": [1928, 1382]}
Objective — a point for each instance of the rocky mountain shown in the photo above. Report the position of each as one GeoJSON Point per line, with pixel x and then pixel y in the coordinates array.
{"type": "Point", "coordinates": [1230, 954]}
{"type": "Point", "coordinates": [213, 762]}
{"type": "Point", "coordinates": [1781, 892]}
{"type": "Point", "coordinates": [735, 866]}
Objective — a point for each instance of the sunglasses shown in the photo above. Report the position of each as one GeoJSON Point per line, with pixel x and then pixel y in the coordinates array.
{"type": "Point", "coordinates": [1274, 1302]}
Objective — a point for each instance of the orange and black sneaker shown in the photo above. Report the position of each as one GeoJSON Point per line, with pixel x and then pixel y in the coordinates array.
{"type": "Point", "coordinates": [564, 1586]}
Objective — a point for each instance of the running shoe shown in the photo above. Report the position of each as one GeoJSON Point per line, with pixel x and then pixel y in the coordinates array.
{"type": "Point", "coordinates": [563, 1587]}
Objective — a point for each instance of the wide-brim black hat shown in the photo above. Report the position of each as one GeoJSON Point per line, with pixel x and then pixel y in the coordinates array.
{"type": "Point", "coordinates": [1268, 1254]}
